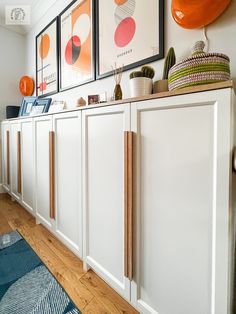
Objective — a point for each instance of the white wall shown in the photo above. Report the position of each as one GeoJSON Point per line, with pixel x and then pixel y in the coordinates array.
{"type": "Point", "coordinates": [222, 34]}
{"type": "Point", "coordinates": [12, 67]}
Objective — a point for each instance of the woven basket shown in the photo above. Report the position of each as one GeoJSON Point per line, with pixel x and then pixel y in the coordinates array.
{"type": "Point", "coordinates": [201, 68]}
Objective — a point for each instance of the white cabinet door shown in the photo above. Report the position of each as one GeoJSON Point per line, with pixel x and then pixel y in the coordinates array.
{"type": "Point", "coordinates": [183, 166]}
{"type": "Point", "coordinates": [6, 155]}
{"type": "Point", "coordinates": [103, 193]}
{"type": "Point", "coordinates": [42, 128]}
{"type": "Point", "coordinates": [15, 162]}
{"type": "Point", "coordinates": [67, 128]}
{"type": "Point", "coordinates": [27, 164]}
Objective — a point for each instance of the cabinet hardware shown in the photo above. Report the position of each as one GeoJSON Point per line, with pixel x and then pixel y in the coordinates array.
{"type": "Point", "coordinates": [19, 162]}
{"type": "Point", "coordinates": [128, 199]}
{"type": "Point", "coordinates": [8, 157]}
{"type": "Point", "coordinates": [52, 174]}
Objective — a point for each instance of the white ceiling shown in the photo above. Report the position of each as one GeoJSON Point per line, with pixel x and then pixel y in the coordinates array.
{"type": "Point", "coordinates": [38, 9]}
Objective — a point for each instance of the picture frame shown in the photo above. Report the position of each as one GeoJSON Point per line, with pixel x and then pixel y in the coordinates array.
{"type": "Point", "coordinates": [47, 58]}
{"type": "Point", "coordinates": [77, 44]}
{"type": "Point", "coordinates": [40, 105]}
{"type": "Point", "coordinates": [128, 34]}
{"type": "Point", "coordinates": [26, 106]}
{"type": "Point", "coordinates": [56, 106]}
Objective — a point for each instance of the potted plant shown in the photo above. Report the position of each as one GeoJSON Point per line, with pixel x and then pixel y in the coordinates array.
{"type": "Point", "coordinates": [162, 85]}
{"type": "Point", "coordinates": [141, 81]}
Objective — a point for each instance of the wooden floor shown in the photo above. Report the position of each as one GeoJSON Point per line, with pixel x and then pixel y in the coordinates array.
{"type": "Point", "coordinates": [91, 294]}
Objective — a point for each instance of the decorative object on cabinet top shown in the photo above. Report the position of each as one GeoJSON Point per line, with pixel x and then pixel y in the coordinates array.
{"type": "Point", "coordinates": [162, 85]}
{"type": "Point", "coordinates": [117, 73]}
{"type": "Point", "coordinates": [26, 86]}
{"type": "Point", "coordinates": [56, 106]}
{"type": "Point", "coordinates": [40, 105]}
{"type": "Point", "coordinates": [200, 68]}
{"type": "Point", "coordinates": [26, 106]}
{"type": "Point", "coordinates": [141, 81]}
{"type": "Point", "coordinates": [197, 13]}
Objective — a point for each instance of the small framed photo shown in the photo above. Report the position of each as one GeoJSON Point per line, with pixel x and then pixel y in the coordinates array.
{"type": "Point", "coordinates": [56, 106]}
{"type": "Point", "coordinates": [26, 106]}
{"type": "Point", "coordinates": [41, 105]}
{"type": "Point", "coordinates": [93, 99]}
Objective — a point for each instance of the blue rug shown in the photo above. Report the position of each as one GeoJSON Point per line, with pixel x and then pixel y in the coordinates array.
{"type": "Point", "coordinates": [26, 285]}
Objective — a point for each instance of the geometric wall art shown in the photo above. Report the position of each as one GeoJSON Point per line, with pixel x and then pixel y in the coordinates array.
{"type": "Point", "coordinates": [129, 33]}
{"type": "Point", "coordinates": [47, 60]}
{"type": "Point", "coordinates": [77, 44]}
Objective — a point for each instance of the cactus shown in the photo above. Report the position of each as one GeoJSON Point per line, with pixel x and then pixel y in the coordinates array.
{"type": "Point", "coordinates": [169, 62]}
{"type": "Point", "coordinates": [148, 71]}
{"type": "Point", "coordinates": [135, 74]}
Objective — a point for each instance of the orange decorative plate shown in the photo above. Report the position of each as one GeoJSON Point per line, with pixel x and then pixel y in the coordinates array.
{"type": "Point", "coordinates": [26, 86]}
{"type": "Point", "coordinates": [197, 13]}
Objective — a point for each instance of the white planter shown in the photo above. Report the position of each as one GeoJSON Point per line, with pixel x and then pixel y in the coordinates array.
{"type": "Point", "coordinates": [140, 86]}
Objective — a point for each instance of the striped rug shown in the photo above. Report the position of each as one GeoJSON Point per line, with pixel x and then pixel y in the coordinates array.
{"type": "Point", "coordinates": [26, 285]}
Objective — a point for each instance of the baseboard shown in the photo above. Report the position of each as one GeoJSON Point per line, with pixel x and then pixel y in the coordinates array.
{"type": "Point", "coordinates": [2, 190]}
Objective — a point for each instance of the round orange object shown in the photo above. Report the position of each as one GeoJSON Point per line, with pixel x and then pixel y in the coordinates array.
{"type": "Point", "coordinates": [26, 86]}
{"type": "Point", "coordinates": [44, 46]}
{"type": "Point", "coordinates": [120, 2]}
{"type": "Point", "coordinates": [197, 13]}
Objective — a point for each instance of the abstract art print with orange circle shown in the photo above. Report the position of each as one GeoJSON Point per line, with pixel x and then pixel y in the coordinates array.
{"type": "Point", "coordinates": [129, 33]}
{"type": "Point", "coordinates": [47, 60]}
{"type": "Point", "coordinates": [76, 44]}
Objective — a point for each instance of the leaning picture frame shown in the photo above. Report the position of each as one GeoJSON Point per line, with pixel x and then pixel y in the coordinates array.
{"type": "Point", "coordinates": [26, 106]}
{"type": "Point", "coordinates": [128, 34]}
{"type": "Point", "coordinates": [77, 44]}
{"type": "Point", "coordinates": [41, 105]}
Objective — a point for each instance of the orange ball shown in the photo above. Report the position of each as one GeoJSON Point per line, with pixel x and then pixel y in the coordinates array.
{"type": "Point", "coordinates": [197, 13]}
{"type": "Point", "coordinates": [26, 86]}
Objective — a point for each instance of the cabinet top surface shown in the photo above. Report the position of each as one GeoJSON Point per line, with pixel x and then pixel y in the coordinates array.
{"type": "Point", "coordinates": [184, 91]}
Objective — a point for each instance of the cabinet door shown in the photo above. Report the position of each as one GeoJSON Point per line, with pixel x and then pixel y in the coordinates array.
{"type": "Point", "coordinates": [67, 128]}
{"type": "Point", "coordinates": [27, 164]}
{"type": "Point", "coordinates": [183, 170]}
{"type": "Point", "coordinates": [103, 193]}
{"type": "Point", "coordinates": [42, 128]}
{"type": "Point", "coordinates": [6, 155]}
{"type": "Point", "coordinates": [15, 159]}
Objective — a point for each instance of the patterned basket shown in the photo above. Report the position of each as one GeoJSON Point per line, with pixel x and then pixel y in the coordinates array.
{"type": "Point", "coordinates": [201, 68]}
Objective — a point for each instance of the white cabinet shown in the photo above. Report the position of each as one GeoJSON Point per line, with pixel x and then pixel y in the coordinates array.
{"type": "Point", "coordinates": [27, 165]}
{"type": "Point", "coordinates": [15, 159]}
{"type": "Point", "coordinates": [42, 129]}
{"type": "Point", "coordinates": [103, 193]}
{"type": "Point", "coordinates": [6, 155]}
{"type": "Point", "coordinates": [183, 204]}
{"type": "Point", "coordinates": [68, 203]}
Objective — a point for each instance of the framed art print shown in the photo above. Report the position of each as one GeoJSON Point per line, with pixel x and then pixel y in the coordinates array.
{"type": "Point", "coordinates": [129, 33]}
{"type": "Point", "coordinates": [26, 106]}
{"type": "Point", "coordinates": [77, 44]}
{"type": "Point", "coordinates": [40, 105]}
{"type": "Point", "coordinates": [47, 60]}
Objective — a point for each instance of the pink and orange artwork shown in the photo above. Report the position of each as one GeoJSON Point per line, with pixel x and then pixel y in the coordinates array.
{"type": "Point", "coordinates": [76, 63]}
{"type": "Point", "coordinates": [129, 33]}
{"type": "Point", "coordinates": [47, 69]}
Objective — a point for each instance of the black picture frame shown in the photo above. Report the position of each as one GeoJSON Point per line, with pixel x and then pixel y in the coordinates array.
{"type": "Point", "coordinates": [136, 63]}
{"type": "Point", "coordinates": [40, 105]}
{"type": "Point", "coordinates": [56, 90]}
{"type": "Point", "coordinates": [93, 43]}
{"type": "Point", "coordinates": [26, 106]}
